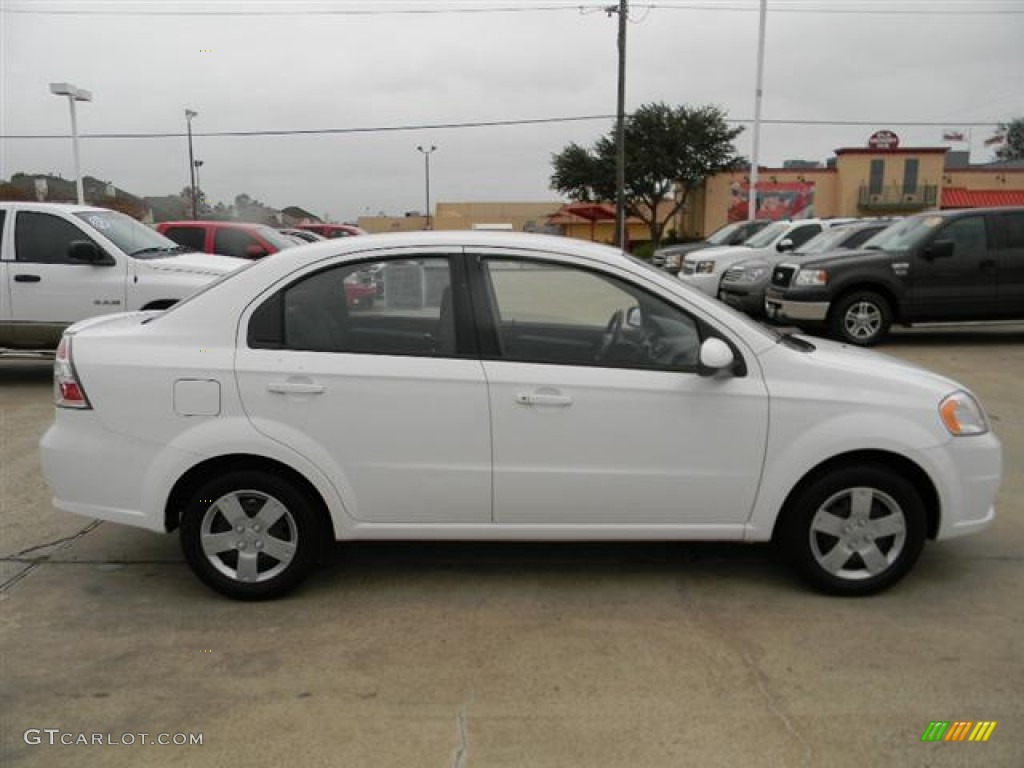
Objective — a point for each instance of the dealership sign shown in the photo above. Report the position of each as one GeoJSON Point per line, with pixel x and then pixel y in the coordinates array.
{"type": "Point", "coordinates": [884, 140]}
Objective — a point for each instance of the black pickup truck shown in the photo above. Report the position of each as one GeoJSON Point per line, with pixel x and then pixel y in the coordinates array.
{"type": "Point", "coordinates": [948, 266]}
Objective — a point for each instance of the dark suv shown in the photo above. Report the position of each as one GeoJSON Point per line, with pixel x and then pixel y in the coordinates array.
{"type": "Point", "coordinates": [944, 266]}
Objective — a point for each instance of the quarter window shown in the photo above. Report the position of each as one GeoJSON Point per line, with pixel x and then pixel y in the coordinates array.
{"type": "Point", "coordinates": [1012, 225]}
{"type": "Point", "coordinates": [41, 238]}
{"type": "Point", "coordinates": [393, 307]}
{"type": "Point", "coordinates": [548, 313]}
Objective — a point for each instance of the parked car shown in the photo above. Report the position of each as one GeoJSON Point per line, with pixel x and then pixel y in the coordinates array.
{"type": "Point", "coordinates": [229, 238]}
{"type": "Point", "coordinates": [945, 266]}
{"type": "Point", "coordinates": [302, 235]}
{"type": "Point", "coordinates": [332, 231]}
{"type": "Point", "coordinates": [508, 386]}
{"type": "Point", "coordinates": [670, 258]}
{"type": "Point", "coordinates": [744, 283]}
{"type": "Point", "coordinates": [250, 241]}
{"type": "Point", "coordinates": [63, 263]}
{"type": "Point", "coordinates": [703, 269]}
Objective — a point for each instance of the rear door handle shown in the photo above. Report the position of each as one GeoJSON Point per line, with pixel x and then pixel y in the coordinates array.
{"type": "Point", "coordinates": [542, 397]}
{"type": "Point", "coordinates": [295, 388]}
{"type": "Point", "coordinates": [27, 278]}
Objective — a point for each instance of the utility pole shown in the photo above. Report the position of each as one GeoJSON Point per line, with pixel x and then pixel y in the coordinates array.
{"type": "Point", "coordinates": [189, 114]}
{"type": "Point", "coordinates": [620, 121]}
{"type": "Point", "coordinates": [755, 157]}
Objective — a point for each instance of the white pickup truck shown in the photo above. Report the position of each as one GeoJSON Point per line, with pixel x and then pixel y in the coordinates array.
{"type": "Point", "coordinates": [63, 263]}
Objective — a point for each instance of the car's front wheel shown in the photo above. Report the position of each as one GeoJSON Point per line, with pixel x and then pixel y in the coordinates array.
{"type": "Point", "coordinates": [862, 318]}
{"type": "Point", "coordinates": [249, 535]}
{"type": "Point", "coordinates": [855, 531]}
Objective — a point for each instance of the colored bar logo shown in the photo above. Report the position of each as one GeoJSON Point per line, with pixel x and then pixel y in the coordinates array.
{"type": "Point", "coordinates": [958, 730]}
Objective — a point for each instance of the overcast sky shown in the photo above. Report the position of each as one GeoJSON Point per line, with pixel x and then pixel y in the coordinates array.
{"type": "Point", "coordinates": [253, 69]}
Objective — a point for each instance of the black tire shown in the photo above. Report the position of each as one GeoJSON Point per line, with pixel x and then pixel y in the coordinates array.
{"type": "Point", "coordinates": [229, 513]}
{"type": "Point", "coordinates": [862, 318]}
{"type": "Point", "coordinates": [855, 531]}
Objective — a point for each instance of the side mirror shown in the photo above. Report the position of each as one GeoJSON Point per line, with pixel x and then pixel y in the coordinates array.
{"type": "Point", "coordinates": [715, 355]}
{"type": "Point", "coordinates": [88, 252]}
{"type": "Point", "coordinates": [784, 245]}
{"type": "Point", "coordinates": [633, 318]}
{"type": "Point", "coordinates": [254, 251]}
{"type": "Point", "coordinates": [940, 249]}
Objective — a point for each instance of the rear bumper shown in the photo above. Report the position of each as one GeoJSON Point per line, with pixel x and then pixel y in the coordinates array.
{"type": "Point", "coordinates": [97, 473]}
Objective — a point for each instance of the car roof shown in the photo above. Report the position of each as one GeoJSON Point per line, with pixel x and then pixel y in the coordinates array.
{"type": "Point", "coordinates": [212, 223]}
{"type": "Point", "coordinates": [67, 207]}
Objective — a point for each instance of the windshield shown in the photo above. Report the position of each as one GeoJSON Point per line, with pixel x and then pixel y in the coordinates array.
{"type": "Point", "coordinates": [767, 236]}
{"type": "Point", "coordinates": [905, 234]}
{"type": "Point", "coordinates": [275, 238]}
{"type": "Point", "coordinates": [722, 234]}
{"type": "Point", "coordinates": [828, 240]}
{"type": "Point", "coordinates": [130, 235]}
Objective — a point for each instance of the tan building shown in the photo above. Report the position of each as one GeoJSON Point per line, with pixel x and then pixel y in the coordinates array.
{"type": "Point", "coordinates": [881, 179]}
{"type": "Point", "coordinates": [584, 221]}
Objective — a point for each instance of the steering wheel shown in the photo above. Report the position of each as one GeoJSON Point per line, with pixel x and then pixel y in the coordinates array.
{"type": "Point", "coordinates": [612, 334]}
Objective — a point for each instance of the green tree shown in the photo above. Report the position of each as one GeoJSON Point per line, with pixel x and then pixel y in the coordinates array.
{"type": "Point", "coordinates": [666, 147]}
{"type": "Point", "coordinates": [1013, 147]}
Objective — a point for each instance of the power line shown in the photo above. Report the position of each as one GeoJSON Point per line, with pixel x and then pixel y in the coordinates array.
{"type": "Point", "coordinates": [484, 124]}
{"type": "Point", "coordinates": [910, 7]}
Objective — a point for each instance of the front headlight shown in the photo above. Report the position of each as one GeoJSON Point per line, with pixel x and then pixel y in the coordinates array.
{"type": "Point", "coordinates": [811, 277]}
{"type": "Point", "coordinates": [672, 261]}
{"type": "Point", "coordinates": [963, 415]}
{"type": "Point", "coordinates": [753, 274]}
{"type": "Point", "coordinates": [705, 267]}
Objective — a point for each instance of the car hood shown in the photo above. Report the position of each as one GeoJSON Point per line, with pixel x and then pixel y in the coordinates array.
{"type": "Point", "coordinates": [193, 263]}
{"type": "Point", "coordinates": [858, 370]}
{"type": "Point", "coordinates": [833, 257]}
{"type": "Point", "coordinates": [726, 252]}
{"type": "Point", "coordinates": [683, 248]}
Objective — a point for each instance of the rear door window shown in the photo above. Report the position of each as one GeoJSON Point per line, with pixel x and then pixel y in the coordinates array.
{"type": "Point", "coordinates": [190, 237]}
{"type": "Point", "coordinates": [234, 242]}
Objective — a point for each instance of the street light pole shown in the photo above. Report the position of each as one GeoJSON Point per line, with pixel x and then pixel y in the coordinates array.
{"type": "Point", "coordinates": [199, 185]}
{"type": "Point", "coordinates": [755, 158]}
{"type": "Point", "coordinates": [426, 161]}
{"type": "Point", "coordinates": [189, 114]}
{"type": "Point", "coordinates": [620, 137]}
{"type": "Point", "coordinates": [74, 94]}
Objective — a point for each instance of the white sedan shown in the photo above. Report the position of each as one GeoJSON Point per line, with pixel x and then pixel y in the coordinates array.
{"type": "Point", "coordinates": [502, 386]}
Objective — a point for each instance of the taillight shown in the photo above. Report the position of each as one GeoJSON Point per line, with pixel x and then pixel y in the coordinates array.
{"type": "Point", "coordinates": [67, 389]}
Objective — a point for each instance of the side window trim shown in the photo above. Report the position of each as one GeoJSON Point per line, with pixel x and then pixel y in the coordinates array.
{"type": "Point", "coordinates": [273, 300]}
{"type": "Point", "coordinates": [486, 308]}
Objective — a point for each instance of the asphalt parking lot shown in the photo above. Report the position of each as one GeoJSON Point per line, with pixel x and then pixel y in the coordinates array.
{"type": "Point", "coordinates": [509, 655]}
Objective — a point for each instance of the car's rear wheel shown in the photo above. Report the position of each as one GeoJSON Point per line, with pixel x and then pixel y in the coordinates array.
{"type": "Point", "coordinates": [249, 535]}
{"type": "Point", "coordinates": [862, 318]}
{"type": "Point", "coordinates": [855, 531]}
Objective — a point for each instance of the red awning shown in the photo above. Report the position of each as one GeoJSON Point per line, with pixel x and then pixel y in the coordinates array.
{"type": "Point", "coordinates": [958, 197]}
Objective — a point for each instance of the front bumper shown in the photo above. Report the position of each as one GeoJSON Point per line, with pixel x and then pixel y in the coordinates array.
{"type": "Point", "coordinates": [970, 470]}
{"type": "Point", "coordinates": [784, 309]}
{"type": "Point", "coordinates": [708, 283]}
{"type": "Point", "coordinates": [746, 297]}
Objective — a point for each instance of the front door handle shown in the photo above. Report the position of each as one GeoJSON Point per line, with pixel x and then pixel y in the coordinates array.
{"type": "Point", "coordinates": [295, 388]}
{"type": "Point", "coordinates": [543, 397]}
{"type": "Point", "coordinates": [27, 278]}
